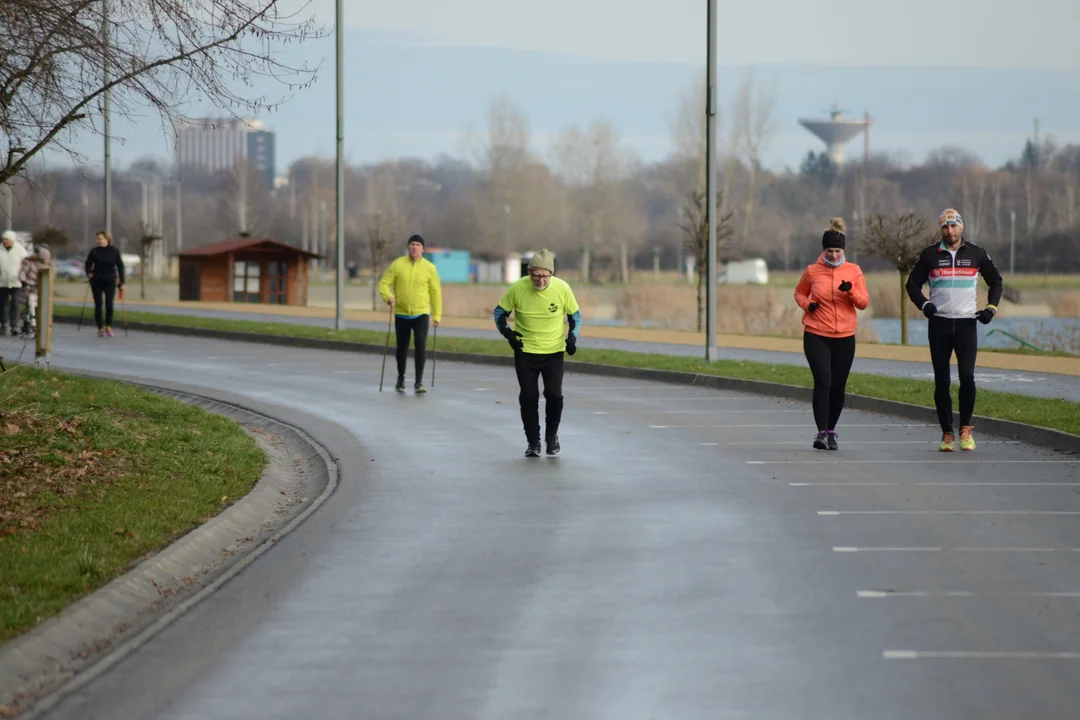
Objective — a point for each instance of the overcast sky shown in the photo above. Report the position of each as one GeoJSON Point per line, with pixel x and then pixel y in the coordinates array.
{"type": "Point", "coordinates": [1036, 34]}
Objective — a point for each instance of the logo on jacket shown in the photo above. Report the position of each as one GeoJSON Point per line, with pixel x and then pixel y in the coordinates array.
{"type": "Point", "coordinates": [553, 308]}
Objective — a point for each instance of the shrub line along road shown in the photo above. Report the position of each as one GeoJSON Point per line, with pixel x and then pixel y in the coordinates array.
{"type": "Point", "coordinates": [710, 565]}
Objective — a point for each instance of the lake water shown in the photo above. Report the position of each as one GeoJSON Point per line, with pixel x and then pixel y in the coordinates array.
{"type": "Point", "coordinates": [1046, 333]}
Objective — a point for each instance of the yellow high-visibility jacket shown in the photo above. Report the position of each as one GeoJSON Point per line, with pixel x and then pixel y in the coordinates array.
{"type": "Point", "coordinates": [415, 287]}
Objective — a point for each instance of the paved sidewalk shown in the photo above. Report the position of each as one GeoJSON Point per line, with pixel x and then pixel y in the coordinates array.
{"type": "Point", "coordinates": [1057, 377]}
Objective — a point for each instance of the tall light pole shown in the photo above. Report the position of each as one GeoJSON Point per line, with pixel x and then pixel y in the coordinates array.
{"type": "Point", "coordinates": [107, 124]}
{"type": "Point", "coordinates": [1012, 245]}
{"type": "Point", "coordinates": [710, 185]}
{"type": "Point", "coordinates": [339, 30]}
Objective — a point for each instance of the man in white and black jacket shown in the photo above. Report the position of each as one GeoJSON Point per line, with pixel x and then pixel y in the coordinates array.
{"type": "Point", "coordinates": [952, 268]}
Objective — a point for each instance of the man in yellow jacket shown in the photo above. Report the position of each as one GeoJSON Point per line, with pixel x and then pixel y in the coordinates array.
{"type": "Point", "coordinates": [411, 286]}
{"type": "Point", "coordinates": [542, 306]}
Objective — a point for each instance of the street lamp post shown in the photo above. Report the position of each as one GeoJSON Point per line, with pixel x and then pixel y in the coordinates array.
{"type": "Point", "coordinates": [107, 130]}
{"type": "Point", "coordinates": [710, 184]}
{"type": "Point", "coordinates": [506, 262]}
{"type": "Point", "coordinates": [339, 30]}
{"type": "Point", "coordinates": [1012, 246]}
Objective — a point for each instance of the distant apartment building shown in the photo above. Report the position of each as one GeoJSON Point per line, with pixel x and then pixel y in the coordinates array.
{"type": "Point", "coordinates": [216, 144]}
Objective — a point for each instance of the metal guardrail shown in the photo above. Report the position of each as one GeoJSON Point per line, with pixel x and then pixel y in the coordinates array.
{"type": "Point", "coordinates": [1023, 343]}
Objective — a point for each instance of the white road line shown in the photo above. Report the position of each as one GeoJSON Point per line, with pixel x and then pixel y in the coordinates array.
{"type": "Point", "coordinates": [977, 655]}
{"type": "Point", "coordinates": [743, 411]}
{"type": "Point", "coordinates": [867, 442]}
{"type": "Point", "coordinates": [710, 444]}
{"type": "Point", "coordinates": [764, 425]}
{"type": "Point", "coordinates": [934, 484]}
{"type": "Point", "coordinates": [879, 594]}
{"type": "Point", "coordinates": [918, 460]}
{"type": "Point", "coordinates": [948, 512]}
{"type": "Point", "coordinates": [842, 549]}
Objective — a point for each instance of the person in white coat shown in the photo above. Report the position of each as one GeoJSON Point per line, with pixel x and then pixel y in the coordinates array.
{"type": "Point", "coordinates": [12, 254]}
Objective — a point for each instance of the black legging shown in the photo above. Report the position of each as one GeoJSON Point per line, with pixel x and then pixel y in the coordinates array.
{"type": "Point", "coordinates": [103, 290]}
{"type": "Point", "coordinates": [418, 327]}
{"type": "Point", "coordinates": [830, 363]}
{"type": "Point", "coordinates": [529, 368]}
{"type": "Point", "coordinates": [947, 336]}
{"type": "Point", "coordinates": [9, 313]}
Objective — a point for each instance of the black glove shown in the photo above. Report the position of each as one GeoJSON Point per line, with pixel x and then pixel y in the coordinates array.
{"type": "Point", "coordinates": [811, 307]}
{"type": "Point", "coordinates": [929, 309]}
{"type": "Point", "coordinates": [514, 338]}
{"type": "Point", "coordinates": [845, 286]}
{"type": "Point", "coordinates": [985, 315]}
{"type": "Point", "coordinates": [571, 344]}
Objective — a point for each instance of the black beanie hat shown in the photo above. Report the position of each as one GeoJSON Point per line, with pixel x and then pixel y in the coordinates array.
{"type": "Point", "coordinates": [417, 238]}
{"type": "Point", "coordinates": [834, 237]}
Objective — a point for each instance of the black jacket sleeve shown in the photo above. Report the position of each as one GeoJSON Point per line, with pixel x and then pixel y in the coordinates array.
{"type": "Point", "coordinates": [119, 267]}
{"type": "Point", "coordinates": [916, 279]}
{"type": "Point", "coordinates": [990, 273]}
{"type": "Point", "coordinates": [89, 266]}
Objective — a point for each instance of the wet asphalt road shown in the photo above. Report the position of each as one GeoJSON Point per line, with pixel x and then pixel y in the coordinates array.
{"type": "Point", "coordinates": [1027, 383]}
{"type": "Point", "coordinates": [688, 556]}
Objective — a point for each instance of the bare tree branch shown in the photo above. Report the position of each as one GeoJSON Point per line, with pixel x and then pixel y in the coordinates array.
{"type": "Point", "coordinates": [156, 53]}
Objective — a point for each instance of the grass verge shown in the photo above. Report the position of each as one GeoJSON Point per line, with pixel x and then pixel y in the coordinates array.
{"type": "Point", "coordinates": [95, 474]}
{"type": "Point", "coordinates": [1052, 413]}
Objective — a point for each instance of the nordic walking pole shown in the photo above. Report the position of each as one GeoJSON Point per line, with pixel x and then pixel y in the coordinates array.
{"type": "Point", "coordinates": [85, 298]}
{"type": "Point", "coordinates": [386, 351]}
{"type": "Point", "coordinates": [434, 354]}
{"type": "Point", "coordinates": [123, 304]}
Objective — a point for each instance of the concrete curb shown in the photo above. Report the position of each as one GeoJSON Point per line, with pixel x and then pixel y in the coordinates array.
{"type": "Point", "coordinates": [1045, 437]}
{"type": "Point", "coordinates": [40, 667]}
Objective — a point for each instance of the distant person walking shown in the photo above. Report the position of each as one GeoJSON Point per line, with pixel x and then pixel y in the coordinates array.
{"type": "Point", "coordinates": [411, 286]}
{"type": "Point", "coordinates": [540, 302]}
{"type": "Point", "coordinates": [12, 254]}
{"type": "Point", "coordinates": [32, 267]}
{"type": "Point", "coordinates": [105, 270]}
{"type": "Point", "coordinates": [830, 291]}
{"type": "Point", "coordinates": [952, 267]}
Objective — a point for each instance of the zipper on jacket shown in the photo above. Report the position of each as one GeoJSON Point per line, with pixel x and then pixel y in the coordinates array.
{"type": "Point", "coordinates": [835, 315]}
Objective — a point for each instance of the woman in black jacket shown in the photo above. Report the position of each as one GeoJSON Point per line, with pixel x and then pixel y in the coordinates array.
{"type": "Point", "coordinates": [105, 268]}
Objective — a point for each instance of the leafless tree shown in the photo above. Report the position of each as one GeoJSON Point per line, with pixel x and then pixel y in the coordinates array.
{"type": "Point", "coordinates": [754, 118]}
{"type": "Point", "coordinates": [695, 227]}
{"type": "Point", "coordinates": [383, 222]}
{"type": "Point", "coordinates": [898, 238]}
{"type": "Point", "coordinates": [244, 196]}
{"type": "Point", "coordinates": [60, 56]}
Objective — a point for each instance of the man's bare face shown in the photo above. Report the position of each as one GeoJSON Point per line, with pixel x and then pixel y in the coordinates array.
{"type": "Point", "coordinates": [951, 233]}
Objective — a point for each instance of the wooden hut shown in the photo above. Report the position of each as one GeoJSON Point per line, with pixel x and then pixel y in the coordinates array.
{"type": "Point", "coordinates": [245, 270]}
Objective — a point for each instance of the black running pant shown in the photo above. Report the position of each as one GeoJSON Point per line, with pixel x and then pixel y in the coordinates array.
{"type": "Point", "coordinates": [9, 315]}
{"type": "Point", "coordinates": [530, 367]}
{"type": "Point", "coordinates": [830, 363]}
{"type": "Point", "coordinates": [104, 290]}
{"type": "Point", "coordinates": [946, 337]}
{"type": "Point", "coordinates": [418, 326]}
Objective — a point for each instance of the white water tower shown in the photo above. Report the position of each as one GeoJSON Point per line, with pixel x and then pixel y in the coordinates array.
{"type": "Point", "coordinates": [837, 131]}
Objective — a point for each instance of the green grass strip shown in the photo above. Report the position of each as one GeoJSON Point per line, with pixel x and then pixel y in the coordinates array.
{"type": "Point", "coordinates": [94, 475]}
{"type": "Point", "coordinates": [1052, 413]}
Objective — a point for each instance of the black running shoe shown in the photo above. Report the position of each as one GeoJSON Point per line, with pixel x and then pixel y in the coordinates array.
{"type": "Point", "coordinates": [819, 441]}
{"type": "Point", "coordinates": [831, 440]}
{"type": "Point", "coordinates": [553, 445]}
{"type": "Point", "coordinates": [533, 450]}
{"type": "Point", "coordinates": [400, 386]}
{"type": "Point", "coordinates": [419, 388]}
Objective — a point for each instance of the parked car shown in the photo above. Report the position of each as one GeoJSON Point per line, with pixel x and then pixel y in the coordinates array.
{"type": "Point", "coordinates": [70, 269]}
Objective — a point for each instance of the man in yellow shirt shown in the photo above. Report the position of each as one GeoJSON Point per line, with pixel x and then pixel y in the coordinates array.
{"type": "Point", "coordinates": [539, 303]}
{"type": "Point", "coordinates": [411, 286]}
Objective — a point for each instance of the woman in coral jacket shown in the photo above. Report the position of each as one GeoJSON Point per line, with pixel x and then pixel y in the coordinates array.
{"type": "Point", "coordinates": [830, 291]}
